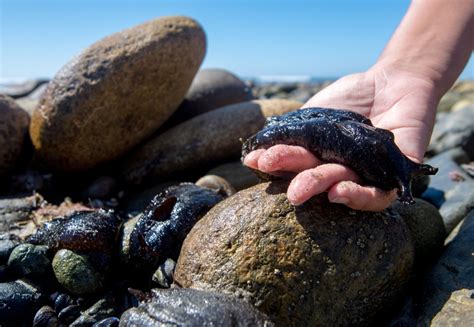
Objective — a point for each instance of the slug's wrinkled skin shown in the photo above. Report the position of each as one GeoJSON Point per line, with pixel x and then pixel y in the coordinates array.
{"type": "Point", "coordinates": [165, 222]}
{"type": "Point", "coordinates": [346, 138]}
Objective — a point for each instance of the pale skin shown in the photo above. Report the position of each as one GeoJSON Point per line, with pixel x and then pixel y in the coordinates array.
{"type": "Point", "coordinates": [424, 57]}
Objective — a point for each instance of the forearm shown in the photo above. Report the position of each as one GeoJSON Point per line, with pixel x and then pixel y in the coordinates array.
{"type": "Point", "coordinates": [434, 41]}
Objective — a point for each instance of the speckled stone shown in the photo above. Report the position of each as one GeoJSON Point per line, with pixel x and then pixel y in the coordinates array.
{"type": "Point", "coordinates": [28, 259]}
{"type": "Point", "coordinates": [116, 93]}
{"type": "Point", "coordinates": [315, 264]}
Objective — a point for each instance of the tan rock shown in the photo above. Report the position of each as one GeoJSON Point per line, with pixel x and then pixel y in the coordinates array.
{"type": "Point", "coordinates": [458, 311]}
{"type": "Point", "coordinates": [318, 264]}
{"type": "Point", "coordinates": [239, 176]}
{"type": "Point", "coordinates": [13, 133]}
{"type": "Point", "coordinates": [116, 93]}
{"type": "Point", "coordinates": [211, 137]}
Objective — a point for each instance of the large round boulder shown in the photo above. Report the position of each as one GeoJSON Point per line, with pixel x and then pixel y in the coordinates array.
{"type": "Point", "coordinates": [13, 133]}
{"type": "Point", "coordinates": [316, 264]}
{"type": "Point", "coordinates": [116, 93]}
{"type": "Point", "coordinates": [202, 141]}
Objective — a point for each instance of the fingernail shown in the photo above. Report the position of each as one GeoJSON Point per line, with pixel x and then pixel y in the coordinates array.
{"type": "Point", "coordinates": [340, 200]}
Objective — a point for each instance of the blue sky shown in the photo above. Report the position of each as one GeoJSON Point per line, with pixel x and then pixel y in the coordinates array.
{"type": "Point", "coordinates": [324, 38]}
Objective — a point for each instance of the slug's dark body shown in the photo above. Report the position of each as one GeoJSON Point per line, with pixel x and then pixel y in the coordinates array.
{"type": "Point", "coordinates": [165, 222]}
{"type": "Point", "coordinates": [346, 138]}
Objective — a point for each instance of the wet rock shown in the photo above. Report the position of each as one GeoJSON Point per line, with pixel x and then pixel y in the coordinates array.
{"type": "Point", "coordinates": [45, 317]}
{"type": "Point", "coordinates": [201, 141]}
{"type": "Point", "coordinates": [458, 311]}
{"type": "Point", "coordinates": [82, 231]}
{"type": "Point", "coordinates": [426, 228]}
{"type": "Point", "coordinates": [101, 188]}
{"type": "Point", "coordinates": [211, 89]}
{"type": "Point", "coordinates": [193, 308]}
{"type": "Point", "coordinates": [102, 309]}
{"type": "Point", "coordinates": [62, 301]}
{"type": "Point", "coordinates": [75, 273]}
{"type": "Point", "coordinates": [163, 276]}
{"type": "Point", "coordinates": [449, 279]}
{"type": "Point", "coordinates": [451, 189]}
{"type": "Point", "coordinates": [19, 301]}
{"type": "Point", "coordinates": [420, 185]}
{"type": "Point", "coordinates": [127, 83]}
{"type": "Point", "coordinates": [159, 232]}
{"type": "Point", "coordinates": [107, 322]}
{"type": "Point", "coordinates": [217, 184]}
{"type": "Point", "coordinates": [315, 264]}
{"type": "Point", "coordinates": [13, 133]}
{"type": "Point", "coordinates": [7, 243]}
{"type": "Point", "coordinates": [29, 259]}
{"type": "Point", "coordinates": [69, 314]}
{"type": "Point", "coordinates": [16, 212]}
{"type": "Point", "coordinates": [239, 176]}
{"type": "Point", "coordinates": [136, 203]}
{"type": "Point", "coordinates": [453, 131]}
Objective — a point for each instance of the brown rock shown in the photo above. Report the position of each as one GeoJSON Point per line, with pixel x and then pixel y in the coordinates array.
{"type": "Point", "coordinates": [201, 141]}
{"type": "Point", "coordinates": [13, 133]}
{"type": "Point", "coordinates": [316, 264]}
{"type": "Point", "coordinates": [217, 184]}
{"type": "Point", "coordinates": [116, 93]}
{"type": "Point", "coordinates": [239, 176]}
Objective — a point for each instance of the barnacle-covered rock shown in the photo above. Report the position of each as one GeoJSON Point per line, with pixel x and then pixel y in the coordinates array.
{"type": "Point", "coordinates": [347, 138]}
{"type": "Point", "coordinates": [160, 230]}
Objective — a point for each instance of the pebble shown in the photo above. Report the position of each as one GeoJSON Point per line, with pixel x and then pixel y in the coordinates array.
{"type": "Point", "coordinates": [163, 276]}
{"type": "Point", "coordinates": [69, 314]}
{"type": "Point", "coordinates": [19, 301]}
{"type": "Point", "coordinates": [29, 259]}
{"type": "Point", "coordinates": [8, 242]}
{"type": "Point", "coordinates": [45, 317]}
{"type": "Point", "coordinates": [62, 301]}
{"type": "Point", "coordinates": [102, 309]}
{"type": "Point", "coordinates": [75, 273]}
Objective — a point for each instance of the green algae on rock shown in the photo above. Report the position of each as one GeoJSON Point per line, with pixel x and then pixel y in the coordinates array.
{"type": "Point", "coordinates": [315, 264]}
{"type": "Point", "coordinates": [116, 93]}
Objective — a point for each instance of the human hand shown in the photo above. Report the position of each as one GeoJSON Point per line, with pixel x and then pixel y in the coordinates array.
{"type": "Point", "coordinates": [400, 101]}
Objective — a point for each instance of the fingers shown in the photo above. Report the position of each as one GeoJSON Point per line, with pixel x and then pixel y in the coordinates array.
{"type": "Point", "coordinates": [281, 158]}
{"type": "Point", "coordinates": [355, 196]}
{"type": "Point", "coordinates": [317, 180]}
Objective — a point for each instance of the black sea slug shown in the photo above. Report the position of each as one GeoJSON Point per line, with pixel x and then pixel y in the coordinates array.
{"type": "Point", "coordinates": [346, 138]}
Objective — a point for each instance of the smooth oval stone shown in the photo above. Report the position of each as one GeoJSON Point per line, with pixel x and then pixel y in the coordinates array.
{"type": "Point", "coordinates": [217, 184]}
{"type": "Point", "coordinates": [45, 317]}
{"type": "Point", "coordinates": [28, 259]}
{"type": "Point", "coordinates": [201, 141]}
{"type": "Point", "coordinates": [128, 83]}
{"type": "Point", "coordinates": [188, 307]}
{"type": "Point", "coordinates": [75, 273]}
{"type": "Point", "coordinates": [8, 242]}
{"type": "Point", "coordinates": [102, 309]}
{"type": "Point", "coordinates": [316, 264]}
{"type": "Point", "coordinates": [239, 176]}
{"type": "Point", "coordinates": [14, 124]}
{"type": "Point", "coordinates": [212, 88]}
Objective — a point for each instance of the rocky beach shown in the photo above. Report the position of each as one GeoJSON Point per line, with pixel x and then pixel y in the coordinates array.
{"type": "Point", "coordinates": [124, 202]}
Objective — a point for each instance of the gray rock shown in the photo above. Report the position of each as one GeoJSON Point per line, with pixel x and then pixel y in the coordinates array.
{"type": "Point", "coordinates": [69, 314]}
{"type": "Point", "coordinates": [23, 89]}
{"type": "Point", "coordinates": [45, 317]}
{"type": "Point", "coordinates": [451, 189]}
{"type": "Point", "coordinates": [100, 310]}
{"type": "Point", "coordinates": [163, 276]}
{"type": "Point", "coordinates": [7, 243]}
{"type": "Point", "coordinates": [17, 210]}
{"type": "Point", "coordinates": [454, 130]}
{"type": "Point", "coordinates": [426, 228]}
{"type": "Point", "coordinates": [75, 273]}
{"type": "Point", "coordinates": [458, 311]}
{"type": "Point", "coordinates": [210, 89]}
{"type": "Point", "coordinates": [451, 277]}
{"type": "Point", "coordinates": [27, 259]}
{"type": "Point", "coordinates": [187, 307]}
{"type": "Point", "coordinates": [102, 188]}
{"type": "Point", "coordinates": [19, 301]}
{"type": "Point", "coordinates": [239, 176]}
{"type": "Point", "coordinates": [14, 140]}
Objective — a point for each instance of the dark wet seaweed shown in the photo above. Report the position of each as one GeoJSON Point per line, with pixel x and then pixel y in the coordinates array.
{"type": "Point", "coordinates": [346, 138]}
